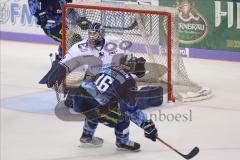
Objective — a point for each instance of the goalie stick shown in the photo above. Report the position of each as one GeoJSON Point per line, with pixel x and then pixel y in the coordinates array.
{"type": "Point", "coordinates": [55, 86]}
{"type": "Point", "coordinates": [190, 155]}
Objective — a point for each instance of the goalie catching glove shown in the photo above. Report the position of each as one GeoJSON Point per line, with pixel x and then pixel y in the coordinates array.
{"type": "Point", "coordinates": [134, 65]}
{"type": "Point", "coordinates": [150, 130]}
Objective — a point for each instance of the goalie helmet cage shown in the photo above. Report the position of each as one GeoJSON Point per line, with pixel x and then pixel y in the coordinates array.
{"type": "Point", "coordinates": [153, 33]}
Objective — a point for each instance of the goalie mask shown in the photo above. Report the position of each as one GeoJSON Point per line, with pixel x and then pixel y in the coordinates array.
{"type": "Point", "coordinates": [95, 35]}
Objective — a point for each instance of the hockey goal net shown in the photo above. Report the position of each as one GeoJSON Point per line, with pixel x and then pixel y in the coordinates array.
{"type": "Point", "coordinates": [152, 32]}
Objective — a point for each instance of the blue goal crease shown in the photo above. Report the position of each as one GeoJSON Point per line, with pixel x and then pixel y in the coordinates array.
{"type": "Point", "coordinates": [43, 103]}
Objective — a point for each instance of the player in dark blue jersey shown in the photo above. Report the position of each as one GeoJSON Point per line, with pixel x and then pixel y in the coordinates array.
{"type": "Point", "coordinates": [49, 16]}
{"type": "Point", "coordinates": [111, 87]}
{"type": "Point", "coordinates": [116, 85]}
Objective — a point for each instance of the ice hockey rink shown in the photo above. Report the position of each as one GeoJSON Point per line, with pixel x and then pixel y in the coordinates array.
{"type": "Point", "coordinates": [31, 131]}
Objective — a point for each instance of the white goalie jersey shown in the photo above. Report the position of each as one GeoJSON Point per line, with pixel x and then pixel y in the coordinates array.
{"type": "Point", "coordinates": [83, 58]}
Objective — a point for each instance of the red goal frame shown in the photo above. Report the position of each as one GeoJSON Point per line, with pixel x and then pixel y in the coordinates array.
{"type": "Point", "coordinates": [170, 96]}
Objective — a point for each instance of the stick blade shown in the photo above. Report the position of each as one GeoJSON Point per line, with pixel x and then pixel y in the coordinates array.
{"type": "Point", "coordinates": [193, 153]}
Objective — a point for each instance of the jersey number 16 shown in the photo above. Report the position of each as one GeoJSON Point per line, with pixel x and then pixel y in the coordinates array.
{"type": "Point", "coordinates": [103, 82]}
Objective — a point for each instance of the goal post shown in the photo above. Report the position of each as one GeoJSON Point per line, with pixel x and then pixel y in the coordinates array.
{"type": "Point", "coordinates": [153, 34]}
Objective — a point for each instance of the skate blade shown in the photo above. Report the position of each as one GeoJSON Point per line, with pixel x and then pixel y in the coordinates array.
{"type": "Point", "coordinates": [89, 145]}
{"type": "Point", "coordinates": [127, 150]}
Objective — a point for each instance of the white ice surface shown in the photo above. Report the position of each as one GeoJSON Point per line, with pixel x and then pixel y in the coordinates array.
{"type": "Point", "coordinates": [215, 125]}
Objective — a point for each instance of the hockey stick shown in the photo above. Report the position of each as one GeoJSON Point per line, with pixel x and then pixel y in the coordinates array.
{"type": "Point", "coordinates": [55, 86]}
{"type": "Point", "coordinates": [190, 155]}
{"type": "Point", "coordinates": [132, 26]}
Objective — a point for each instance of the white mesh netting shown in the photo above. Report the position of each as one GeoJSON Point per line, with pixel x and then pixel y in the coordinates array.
{"type": "Point", "coordinates": [151, 31]}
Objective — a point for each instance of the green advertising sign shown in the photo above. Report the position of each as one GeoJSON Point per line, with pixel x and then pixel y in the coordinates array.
{"type": "Point", "coordinates": [208, 24]}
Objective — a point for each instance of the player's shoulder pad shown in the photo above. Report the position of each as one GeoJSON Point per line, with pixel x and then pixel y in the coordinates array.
{"type": "Point", "coordinates": [82, 46]}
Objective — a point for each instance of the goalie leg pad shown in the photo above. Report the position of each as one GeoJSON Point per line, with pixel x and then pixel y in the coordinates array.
{"type": "Point", "coordinates": [153, 97]}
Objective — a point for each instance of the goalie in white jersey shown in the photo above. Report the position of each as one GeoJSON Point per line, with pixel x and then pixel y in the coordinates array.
{"type": "Point", "coordinates": [90, 55]}
{"type": "Point", "coordinates": [105, 49]}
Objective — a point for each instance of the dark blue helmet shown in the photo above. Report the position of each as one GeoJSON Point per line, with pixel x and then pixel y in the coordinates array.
{"type": "Point", "coordinates": [95, 35]}
{"type": "Point", "coordinates": [95, 27]}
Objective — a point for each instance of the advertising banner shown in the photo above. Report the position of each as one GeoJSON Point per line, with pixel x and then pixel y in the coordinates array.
{"type": "Point", "coordinates": [208, 24]}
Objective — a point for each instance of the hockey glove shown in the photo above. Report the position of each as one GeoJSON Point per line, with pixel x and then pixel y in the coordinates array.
{"type": "Point", "coordinates": [150, 130]}
{"type": "Point", "coordinates": [41, 18]}
{"type": "Point", "coordinates": [84, 23]}
{"type": "Point", "coordinates": [140, 67]}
